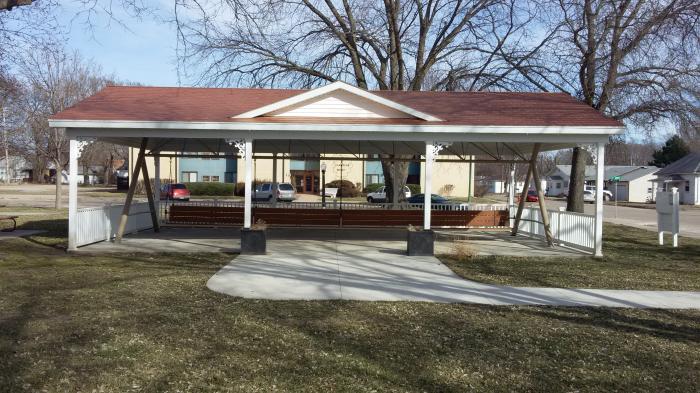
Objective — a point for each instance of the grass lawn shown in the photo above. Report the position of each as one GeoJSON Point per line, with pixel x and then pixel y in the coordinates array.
{"type": "Point", "coordinates": [632, 260]}
{"type": "Point", "coordinates": [146, 322]}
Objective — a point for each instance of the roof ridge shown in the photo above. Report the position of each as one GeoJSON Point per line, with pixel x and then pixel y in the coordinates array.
{"type": "Point", "coordinates": [371, 91]}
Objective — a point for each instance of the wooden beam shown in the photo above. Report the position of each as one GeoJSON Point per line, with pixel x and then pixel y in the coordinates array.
{"type": "Point", "coordinates": [149, 195]}
{"type": "Point", "coordinates": [132, 189]}
{"type": "Point", "coordinates": [523, 198]}
{"type": "Point", "coordinates": [543, 208]}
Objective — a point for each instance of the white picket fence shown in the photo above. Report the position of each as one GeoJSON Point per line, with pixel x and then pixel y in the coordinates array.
{"type": "Point", "coordinates": [575, 230]}
{"type": "Point", "coordinates": [96, 224]}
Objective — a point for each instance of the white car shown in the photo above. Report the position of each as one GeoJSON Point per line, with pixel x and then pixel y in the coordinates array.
{"type": "Point", "coordinates": [379, 196]}
{"type": "Point", "coordinates": [285, 192]}
{"type": "Point", "coordinates": [589, 196]}
{"type": "Point", "coordinates": [607, 195]}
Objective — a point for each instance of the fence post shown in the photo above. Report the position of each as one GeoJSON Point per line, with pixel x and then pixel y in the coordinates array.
{"type": "Point", "coordinates": [107, 211]}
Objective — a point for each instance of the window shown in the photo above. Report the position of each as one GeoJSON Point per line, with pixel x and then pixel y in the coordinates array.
{"type": "Point", "coordinates": [215, 179]}
{"type": "Point", "coordinates": [687, 185]}
{"type": "Point", "coordinates": [566, 184]}
{"type": "Point", "coordinates": [189, 177]}
{"type": "Point", "coordinates": [285, 187]}
{"type": "Point", "coordinates": [205, 178]}
{"type": "Point", "coordinates": [372, 179]}
{"type": "Point", "coordinates": [558, 185]}
{"type": "Point", "coordinates": [266, 187]}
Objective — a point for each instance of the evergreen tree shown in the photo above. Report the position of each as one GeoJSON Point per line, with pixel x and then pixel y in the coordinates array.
{"type": "Point", "coordinates": [674, 149]}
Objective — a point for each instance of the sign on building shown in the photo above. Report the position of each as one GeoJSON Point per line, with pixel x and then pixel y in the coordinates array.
{"type": "Point", "coordinates": [667, 214]}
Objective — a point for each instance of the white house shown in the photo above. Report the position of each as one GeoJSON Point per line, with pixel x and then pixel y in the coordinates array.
{"type": "Point", "coordinates": [635, 182]}
{"type": "Point", "coordinates": [19, 169]}
{"type": "Point", "coordinates": [685, 175]}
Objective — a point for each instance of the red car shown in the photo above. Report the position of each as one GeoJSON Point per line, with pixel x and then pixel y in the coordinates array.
{"type": "Point", "coordinates": [531, 196]}
{"type": "Point", "coordinates": [175, 192]}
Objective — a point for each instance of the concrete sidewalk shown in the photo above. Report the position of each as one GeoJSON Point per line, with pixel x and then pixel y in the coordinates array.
{"type": "Point", "coordinates": [378, 270]}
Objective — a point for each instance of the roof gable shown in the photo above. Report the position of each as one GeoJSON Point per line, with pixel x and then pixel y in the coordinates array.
{"type": "Point", "coordinates": [337, 100]}
{"type": "Point", "coordinates": [688, 164]}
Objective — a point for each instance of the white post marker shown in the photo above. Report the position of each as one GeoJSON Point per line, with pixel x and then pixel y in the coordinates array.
{"type": "Point", "coordinates": [511, 194]}
{"type": "Point", "coordinates": [427, 188]}
{"type": "Point", "coordinates": [600, 170]}
{"type": "Point", "coordinates": [667, 213]}
{"type": "Point", "coordinates": [248, 201]}
{"type": "Point", "coordinates": [72, 192]}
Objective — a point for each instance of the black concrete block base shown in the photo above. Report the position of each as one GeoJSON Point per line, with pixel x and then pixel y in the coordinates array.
{"type": "Point", "coordinates": [253, 241]}
{"type": "Point", "coordinates": [421, 243]}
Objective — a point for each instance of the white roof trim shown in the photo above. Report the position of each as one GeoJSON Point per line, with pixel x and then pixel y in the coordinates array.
{"type": "Point", "coordinates": [330, 127]}
{"type": "Point", "coordinates": [330, 88]}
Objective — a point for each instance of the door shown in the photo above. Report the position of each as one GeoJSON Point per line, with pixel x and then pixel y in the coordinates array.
{"type": "Point", "coordinates": [307, 182]}
{"type": "Point", "coordinates": [622, 191]}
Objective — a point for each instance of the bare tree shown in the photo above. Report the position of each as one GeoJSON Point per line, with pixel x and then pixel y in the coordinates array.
{"type": "Point", "coordinates": [634, 60]}
{"type": "Point", "coordinates": [54, 81]}
{"type": "Point", "coordinates": [388, 45]}
{"type": "Point", "coordinates": [105, 155]}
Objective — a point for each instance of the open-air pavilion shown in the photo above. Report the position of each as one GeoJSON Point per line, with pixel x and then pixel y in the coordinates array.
{"type": "Point", "coordinates": [340, 121]}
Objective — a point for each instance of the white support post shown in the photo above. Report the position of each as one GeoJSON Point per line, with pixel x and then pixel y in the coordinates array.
{"type": "Point", "coordinates": [511, 194]}
{"type": "Point", "coordinates": [156, 183]}
{"type": "Point", "coordinates": [275, 186]}
{"type": "Point", "coordinates": [72, 193]}
{"type": "Point", "coordinates": [247, 209]}
{"type": "Point", "coordinates": [427, 188]}
{"type": "Point", "coordinates": [600, 167]}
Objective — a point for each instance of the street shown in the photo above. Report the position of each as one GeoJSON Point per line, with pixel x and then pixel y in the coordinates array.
{"type": "Point", "coordinates": [639, 217]}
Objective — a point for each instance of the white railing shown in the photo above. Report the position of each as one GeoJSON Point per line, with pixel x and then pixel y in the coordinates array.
{"type": "Point", "coordinates": [572, 229]}
{"type": "Point", "coordinates": [95, 224]}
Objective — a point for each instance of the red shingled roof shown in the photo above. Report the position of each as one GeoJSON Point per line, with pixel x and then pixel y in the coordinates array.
{"type": "Point", "coordinates": [218, 105]}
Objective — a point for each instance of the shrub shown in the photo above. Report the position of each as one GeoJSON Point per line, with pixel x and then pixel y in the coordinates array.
{"type": "Point", "coordinates": [347, 190]}
{"type": "Point", "coordinates": [210, 189]}
{"type": "Point", "coordinates": [373, 187]}
{"type": "Point", "coordinates": [239, 188]}
{"type": "Point", "coordinates": [480, 190]}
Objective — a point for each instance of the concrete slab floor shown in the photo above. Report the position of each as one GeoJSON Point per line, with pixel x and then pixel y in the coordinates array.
{"type": "Point", "coordinates": [187, 239]}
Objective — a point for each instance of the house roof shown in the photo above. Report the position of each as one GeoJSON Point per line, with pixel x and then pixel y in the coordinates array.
{"type": "Point", "coordinates": [186, 104]}
{"type": "Point", "coordinates": [626, 172]}
{"type": "Point", "coordinates": [688, 164]}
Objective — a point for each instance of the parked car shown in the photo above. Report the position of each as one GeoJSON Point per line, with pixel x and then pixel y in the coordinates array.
{"type": "Point", "coordinates": [589, 196]}
{"type": "Point", "coordinates": [122, 179]}
{"type": "Point", "coordinates": [434, 199]}
{"type": "Point", "coordinates": [264, 192]}
{"type": "Point", "coordinates": [175, 192]}
{"type": "Point", "coordinates": [531, 196]}
{"type": "Point", "coordinates": [379, 196]}
{"type": "Point", "coordinates": [607, 195]}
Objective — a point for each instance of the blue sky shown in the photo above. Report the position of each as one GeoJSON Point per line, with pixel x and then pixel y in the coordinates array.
{"type": "Point", "coordinates": [143, 51]}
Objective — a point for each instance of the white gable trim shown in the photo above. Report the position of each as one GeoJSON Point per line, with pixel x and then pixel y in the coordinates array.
{"type": "Point", "coordinates": [297, 99]}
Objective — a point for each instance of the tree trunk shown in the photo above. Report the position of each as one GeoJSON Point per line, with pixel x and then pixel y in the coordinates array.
{"type": "Point", "coordinates": [395, 174]}
{"type": "Point", "coordinates": [577, 180]}
{"type": "Point", "coordinates": [59, 179]}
